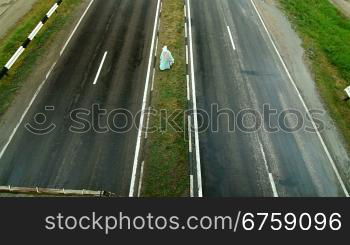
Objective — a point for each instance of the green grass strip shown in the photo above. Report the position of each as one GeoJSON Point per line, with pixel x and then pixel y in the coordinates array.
{"type": "Point", "coordinates": [166, 161]}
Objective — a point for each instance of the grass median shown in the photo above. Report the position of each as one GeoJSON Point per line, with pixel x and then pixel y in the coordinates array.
{"type": "Point", "coordinates": [10, 84]}
{"type": "Point", "coordinates": [325, 32]}
{"type": "Point", "coordinates": [166, 151]}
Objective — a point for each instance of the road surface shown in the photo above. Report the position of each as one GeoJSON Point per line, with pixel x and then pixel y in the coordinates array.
{"type": "Point", "coordinates": [105, 65]}
{"type": "Point", "coordinates": [236, 67]}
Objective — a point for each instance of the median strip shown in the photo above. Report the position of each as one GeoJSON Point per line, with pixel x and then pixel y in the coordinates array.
{"type": "Point", "coordinates": [166, 170]}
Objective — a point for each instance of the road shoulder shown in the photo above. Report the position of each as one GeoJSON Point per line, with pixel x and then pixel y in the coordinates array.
{"type": "Point", "coordinates": [291, 48]}
{"type": "Point", "coordinates": [11, 11]}
{"type": "Point", "coordinates": [31, 83]}
{"type": "Point", "coordinates": [343, 6]}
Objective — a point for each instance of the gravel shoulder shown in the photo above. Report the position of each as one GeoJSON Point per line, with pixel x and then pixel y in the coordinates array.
{"type": "Point", "coordinates": [343, 5]}
{"type": "Point", "coordinates": [290, 47]}
{"type": "Point", "coordinates": [11, 11]}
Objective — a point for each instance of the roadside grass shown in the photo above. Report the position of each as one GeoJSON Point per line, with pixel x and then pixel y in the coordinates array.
{"type": "Point", "coordinates": [166, 150]}
{"type": "Point", "coordinates": [10, 84]}
{"type": "Point", "coordinates": [325, 32]}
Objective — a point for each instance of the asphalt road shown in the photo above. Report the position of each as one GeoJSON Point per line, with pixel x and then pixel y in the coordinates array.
{"type": "Point", "coordinates": [246, 75]}
{"type": "Point", "coordinates": [96, 159]}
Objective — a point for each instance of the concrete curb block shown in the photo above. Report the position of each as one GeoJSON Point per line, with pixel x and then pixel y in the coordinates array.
{"type": "Point", "coordinates": [30, 38]}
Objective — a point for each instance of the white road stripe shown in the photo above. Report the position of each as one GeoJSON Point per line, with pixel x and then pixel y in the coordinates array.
{"type": "Point", "coordinates": [194, 98]}
{"type": "Point", "coordinates": [303, 103]}
{"type": "Point", "coordinates": [76, 27]}
{"type": "Point", "coordinates": [186, 55]}
{"type": "Point", "coordinates": [147, 124]}
{"type": "Point", "coordinates": [21, 119]}
{"type": "Point", "coordinates": [51, 69]}
{"type": "Point", "coordinates": [141, 178]}
{"type": "Point", "coordinates": [189, 135]}
{"type": "Point", "coordinates": [186, 30]}
{"type": "Point", "coordinates": [273, 185]}
{"type": "Point", "coordinates": [155, 51]}
{"type": "Point", "coordinates": [100, 68]}
{"type": "Point", "coordinates": [231, 38]}
{"type": "Point", "coordinates": [264, 156]}
{"type": "Point", "coordinates": [144, 102]}
{"type": "Point", "coordinates": [272, 182]}
{"type": "Point", "coordinates": [188, 88]}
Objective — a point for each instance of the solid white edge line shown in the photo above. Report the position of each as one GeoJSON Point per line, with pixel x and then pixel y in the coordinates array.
{"type": "Point", "coordinates": [100, 68]}
{"type": "Point", "coordinates": [272, 182]}
{"type": "Point", "coordinates": [21, 119]}
{"type": "Point", "coordinates": [273, 185]}
{"type": "Point", "coordinates": [147, 124]}
{"type": "Point", "coordinates": [189, 135]}
{"type": "Point", "coordinates": [141, 177]}
{"type": "Point", "coordinates": [231, 38]}
{"type": "Point", "coordinates": [264, 156]}
{"type": "Point", "coordinates": [194, 99]}
{"type": "Point", "coordinates": [75, 28]}
{"type": "Point", "coordinates": [51, 69]}
{"type": "Point", "coordinates": [303, 102]}
{"type": "Point", "coordinates": [139, 136]}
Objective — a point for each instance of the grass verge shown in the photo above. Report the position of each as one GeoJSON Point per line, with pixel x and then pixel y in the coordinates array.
{"type": "Point", "coordinates": [15, 37]}
{"type": "Point", "coordinates": [166, 151]}
{"type": "Point", "coordinates": [325, 32]}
